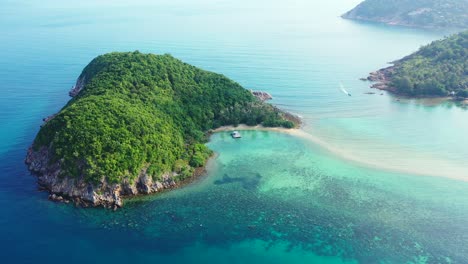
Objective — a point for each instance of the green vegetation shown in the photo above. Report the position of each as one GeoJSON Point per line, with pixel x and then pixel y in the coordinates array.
{"type": "Point", "coordinates": [417, 13]}
{"type": "Point", "coordinates": [143, 111]}
{"type": "Point", "coordinates": [435, 70]}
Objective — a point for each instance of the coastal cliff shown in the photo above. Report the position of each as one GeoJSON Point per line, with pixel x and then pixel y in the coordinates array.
{"type": "Point", "coordinates": [77, 190]}
{"type": "Point", "coordinates": [137, 124]}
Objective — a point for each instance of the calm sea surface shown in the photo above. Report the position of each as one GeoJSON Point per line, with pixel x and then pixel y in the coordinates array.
{"type": "Point", "coordinates": [371, 179]}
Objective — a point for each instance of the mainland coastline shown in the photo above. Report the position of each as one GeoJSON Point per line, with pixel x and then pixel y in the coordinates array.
{"type": "Point", "coordinates": [429, 15]}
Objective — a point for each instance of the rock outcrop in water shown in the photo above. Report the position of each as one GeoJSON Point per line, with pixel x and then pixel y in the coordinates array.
{"type": "Point", "coordinates": [136, 125]}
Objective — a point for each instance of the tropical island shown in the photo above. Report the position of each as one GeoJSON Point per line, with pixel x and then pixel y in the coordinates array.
{"type": "Point", "coordinates": [137, 124]}
{"type": "Point", "coordinates": [436, 70]}
{"type": "Point", "coordinates": [433, 14]}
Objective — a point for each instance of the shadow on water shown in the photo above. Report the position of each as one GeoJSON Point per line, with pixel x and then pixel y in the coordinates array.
{"type": "Point", "coordinates": [249, 183]}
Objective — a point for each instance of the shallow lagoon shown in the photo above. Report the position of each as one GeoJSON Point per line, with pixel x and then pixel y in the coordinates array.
{"type": "Point", "coordinates": [271, 198]}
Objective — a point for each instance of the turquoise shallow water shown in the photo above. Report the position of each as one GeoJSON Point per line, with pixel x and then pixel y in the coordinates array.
{"type": "Point", "coordinates": [357, 186]}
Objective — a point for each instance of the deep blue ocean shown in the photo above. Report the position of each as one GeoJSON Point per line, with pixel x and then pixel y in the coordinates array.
{"type": "Point", "coordinates": [368, 179]}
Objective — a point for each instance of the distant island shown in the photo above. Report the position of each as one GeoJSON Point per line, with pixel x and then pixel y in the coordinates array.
{"type": "Point", "coordinates": [137, 124]}
{"type": "Point", "coordinates": [413, 13]}
{"type": "Point", "coordinates": [436, 70]}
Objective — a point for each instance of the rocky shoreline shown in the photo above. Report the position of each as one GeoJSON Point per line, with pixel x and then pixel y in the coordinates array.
{"type": "Point", "coordinates": [388, 22]}
{"type": "Point", "coordinates": [111, 196]}
{"type": "Point", "coordinates": [396, 20]}
{"type": "Point", "coordinates": [76, 190]}
{"type": "Point", "coordinates": [382, 79]}
{"type": "Point", "coordinates": [103, 194]}
{"type": "Point", "coordinates": [78, 87]}
{"type": "Point", "coordinates": [262, 96]}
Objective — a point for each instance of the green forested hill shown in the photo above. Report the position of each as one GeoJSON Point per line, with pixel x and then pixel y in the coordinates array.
{"type": "Point", "coordinates": [417, 13]}
{"type": "Point", "coordinates": [139, 111]}
{"type": "Point", "coordinates": [437, 69]}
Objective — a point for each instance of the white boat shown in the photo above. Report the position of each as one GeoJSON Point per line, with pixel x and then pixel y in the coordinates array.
{"type": "Point", "coordinates": [236, 134]}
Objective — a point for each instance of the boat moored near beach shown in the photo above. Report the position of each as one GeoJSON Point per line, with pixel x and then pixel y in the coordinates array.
{"type": "Point", "coordinates": [236, 134]}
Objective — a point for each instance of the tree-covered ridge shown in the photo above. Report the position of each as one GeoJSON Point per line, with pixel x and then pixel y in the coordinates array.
{"type": "Point", "coordinates": [437, 69]}
{"type": "Point", "coordinates": [418, 13]}
{"type": "Point", "coordinates": [149, 112]}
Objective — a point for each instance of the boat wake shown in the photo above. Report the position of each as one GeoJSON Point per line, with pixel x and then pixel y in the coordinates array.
{"type": "Point", "coordinates": [344, 90]}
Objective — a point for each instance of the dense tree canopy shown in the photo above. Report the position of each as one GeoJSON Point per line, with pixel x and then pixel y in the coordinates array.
{"type": "Point", "coordinates": [437, 69]}
{"type": "Point", "coordinates": [143, 111]}
{"type": "Point", "coordinates": [418, 13]}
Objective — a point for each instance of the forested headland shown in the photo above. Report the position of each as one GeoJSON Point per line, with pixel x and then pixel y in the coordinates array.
{"type": "Point", "coordinates": [437, 69]}
{"type": "Point", "coordinates": [434, 14]}
{"type": "Point", "coordinates": [137, 124]}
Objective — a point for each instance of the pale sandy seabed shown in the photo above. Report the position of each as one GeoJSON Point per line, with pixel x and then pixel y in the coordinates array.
{"type": "Point", "coordinates": [417, 166]}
